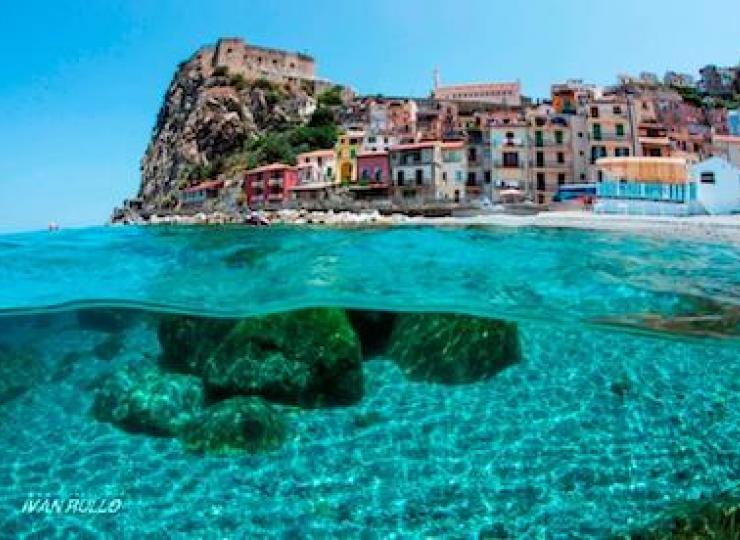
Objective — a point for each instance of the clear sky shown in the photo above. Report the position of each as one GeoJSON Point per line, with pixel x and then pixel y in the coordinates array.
{"type": "Point", "coordinates": [81, 81]}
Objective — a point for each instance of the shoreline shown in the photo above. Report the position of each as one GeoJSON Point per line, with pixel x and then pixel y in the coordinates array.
{"type": "Point", "coordinates": [723, 228]}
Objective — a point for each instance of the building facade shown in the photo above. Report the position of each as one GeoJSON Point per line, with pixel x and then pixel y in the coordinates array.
{"type": "Point", "coordinates": [269, 186]}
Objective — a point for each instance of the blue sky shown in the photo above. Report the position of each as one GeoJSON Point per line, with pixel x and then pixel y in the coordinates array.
{"type": "Point", "coordinates": [81, 81]}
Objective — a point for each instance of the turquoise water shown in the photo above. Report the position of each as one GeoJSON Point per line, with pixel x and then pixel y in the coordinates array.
{"type": "Point", "coordinates": [546, 448]}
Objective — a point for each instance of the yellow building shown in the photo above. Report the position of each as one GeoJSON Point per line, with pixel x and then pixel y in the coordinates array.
{"type": "Point", "coordinates": [346, 150]}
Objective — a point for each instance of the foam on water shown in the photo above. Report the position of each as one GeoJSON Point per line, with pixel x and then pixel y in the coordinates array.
{"type": "Point", "coordinates": [547, 448]}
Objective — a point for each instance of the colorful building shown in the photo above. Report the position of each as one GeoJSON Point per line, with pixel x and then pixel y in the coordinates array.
{"type": "Point", "coordinates": [270, 185]}
{"type": "Point", "coordinates": [374, 174]}
{"type": "Point", "coordinates": [499, 93]}
{"type": "Point", "coordinates": [416, 171]}
{"type": "Point", "coordinates": [316, 175]}
{"type": "Point", "coordinates": [454, 171]}
{"type": "Point", "coordinates": [645, 185]}
{"type": "Point", "coordinates": [201, 192]}
{"type": "Point", "coordinates": [348, 146]}
{"type": "Point", "coordinates": [510, 158]}
{"type": "Point", "coordinates": [609, 123]}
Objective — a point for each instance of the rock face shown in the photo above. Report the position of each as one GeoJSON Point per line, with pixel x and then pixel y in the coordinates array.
{"type": "Point", "coordinates": [307, 357]}
{"type": "Point", "coordinates": [19, 371]}
{"type": "Point", "coordinates": [451, 348]}
{"type": "Point", "coordinates": [208, 114]}
{"type": "Point", "coordinates": [233, 426]}
{"type": "Point", "coordinates": [141, 398]}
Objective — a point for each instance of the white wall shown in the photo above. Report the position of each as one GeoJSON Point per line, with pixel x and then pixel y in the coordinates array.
{"type": "Point", "coordinates": [722, 197]}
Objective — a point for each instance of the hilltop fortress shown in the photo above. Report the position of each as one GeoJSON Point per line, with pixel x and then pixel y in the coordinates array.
{"type": "Point", "coordinates": [254, 62]}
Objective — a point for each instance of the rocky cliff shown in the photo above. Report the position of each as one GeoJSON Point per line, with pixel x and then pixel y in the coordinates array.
{"type": "Point", "coordinates": [209, 114]}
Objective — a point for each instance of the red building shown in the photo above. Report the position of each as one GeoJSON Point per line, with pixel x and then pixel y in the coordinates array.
{"type": "Point", "coordinates": [269, 186]}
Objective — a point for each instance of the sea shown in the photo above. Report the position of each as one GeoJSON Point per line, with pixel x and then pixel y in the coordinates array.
{"type": "Point", "coordinates": [625, 404]}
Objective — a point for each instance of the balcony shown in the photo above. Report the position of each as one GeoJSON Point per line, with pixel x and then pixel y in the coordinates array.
{"type": "Point", "coordinates": [275, 181]}
{"type": "Point", "coordinates": [609, 137]}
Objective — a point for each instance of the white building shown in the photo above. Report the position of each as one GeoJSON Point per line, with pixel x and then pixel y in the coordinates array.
{"type": "Point", "coordinates": [717, 185]}
{"type": "Point", "coordinates": [667, 186]}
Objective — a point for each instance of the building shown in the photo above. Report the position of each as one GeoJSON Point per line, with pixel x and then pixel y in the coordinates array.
{"type": "Point", "coordinates": [510, 158]}
{"type": "Point", "coordinates": [717, 185]}
{"type": "Point", "coordinates": [645, 185]}
{"type": "Point", "coordinates": [416, 171]}
{"type": "Point", "coordinates": [500, 93]}
{"type": "Point", "coordinates": [348, 146]}
{"type": "Point", "coordinates": [201, 192]}
{"type": "Point", "coordinates": [270, 185]}
{"type": "Point", "coordinates": [609, 125]}
{"type": "Point", "coordinates": [373, 176]}
{"type": "Point", "coordinates": [679, 80]}
{"type": "Point", "coordinates": [316, 175]}
{"type": "Point", "coordinates": [733, 122]}
{"type": "Point", "coordinates": [652, 135]}
{"type": "Point", "coordinates": [453, 184]}
{"type": "Point", "coordinates": [717, 81]}
{"type": "Point", "coordinates": [728, 147]}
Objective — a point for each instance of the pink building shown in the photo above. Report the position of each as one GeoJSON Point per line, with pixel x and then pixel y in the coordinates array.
{"type": "Point", "coordinates": [373, 175]}
{"type": "Point", "coordinates": [269, 185]}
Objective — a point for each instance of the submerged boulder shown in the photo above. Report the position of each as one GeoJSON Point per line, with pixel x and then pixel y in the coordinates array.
{"type": "Point", "coordinates": [451, 348]}
{"type": "Point", "coordinates": [308, 357]}
{"type": "Point", "coordinates": [141, 398]}
{"type": "Point", "coordinates": [19, 371]}
{"type": "Point", "coordinates": [374, 329]}
{"type": "Point", "coordinates": [240, 424]}
{"type": "Point", "coordinates": [109, 320]}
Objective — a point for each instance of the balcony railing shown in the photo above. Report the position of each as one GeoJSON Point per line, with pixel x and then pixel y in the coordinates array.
{"type": "Point", "coordinates": [609, 137]}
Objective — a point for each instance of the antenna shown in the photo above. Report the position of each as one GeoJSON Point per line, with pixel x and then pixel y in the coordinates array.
{"type": "Point", "coordinates": [436, 78]}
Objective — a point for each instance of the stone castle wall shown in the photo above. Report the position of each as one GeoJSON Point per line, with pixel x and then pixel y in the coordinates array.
{"type": "Point", "coordinates": [261, 62]}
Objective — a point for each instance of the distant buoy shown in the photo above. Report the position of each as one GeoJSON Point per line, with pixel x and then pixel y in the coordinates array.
{"type": "Point", "coordinates": [53, 226]}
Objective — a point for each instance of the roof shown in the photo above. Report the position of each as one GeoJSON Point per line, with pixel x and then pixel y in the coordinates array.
{"type": "Point", "coordinates": [413, 146]}
{"type": "Point", "coordinates": [453, 144]}
{"type": "Point", "coordinates": [213, 184]}
{"type": "Point", "coordinates": [667, 170]}
{"type": "Point", "coordinates": [731, 139]}
{"type": "Point", "coordinates": [371, 154]}
{"type": "Point", "coordinates": [317, 153]}
{"type": "Point", "coordinates": [270, 167]}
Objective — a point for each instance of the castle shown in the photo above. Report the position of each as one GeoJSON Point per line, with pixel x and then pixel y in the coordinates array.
{"type": "Point", "coordinates": [254, 62]}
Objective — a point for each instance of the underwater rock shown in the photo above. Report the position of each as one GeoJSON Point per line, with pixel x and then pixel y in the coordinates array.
{"type": "Point", "coordinates": [308, 357]}
{"type": "Point", "coordinates": [141, 398]}
{"type": "Point", "coordinates": [718, 519]}
{"type": "Point", "coordinates": [19, 371]}
{"type": "Point", "coordinates": [240, 424]}
{"type": "Point", "coordinates": [109, 348]}
{"type": "Point", "coordinates": [374, 329]}
{"type": "Point", "coordinates": [451, 348]}
{"type": "Point", "coordinates": [104, 319]}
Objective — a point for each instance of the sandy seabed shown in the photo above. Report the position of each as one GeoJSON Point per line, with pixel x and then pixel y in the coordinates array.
{"type": "Point", "coordinates": [545, 449]}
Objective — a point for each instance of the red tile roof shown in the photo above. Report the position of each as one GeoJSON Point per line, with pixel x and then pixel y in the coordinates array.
{"type": "Point", "coordinates": [213, 184]}
{"type": "Point", "coordinates": [270, 167]}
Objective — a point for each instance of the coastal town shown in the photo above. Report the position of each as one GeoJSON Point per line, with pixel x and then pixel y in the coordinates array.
{"type": "Point", "coordinates": [645, 145]}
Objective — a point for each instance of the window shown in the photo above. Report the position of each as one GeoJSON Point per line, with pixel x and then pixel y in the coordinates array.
{"type": "Point", "coordinates": [597, 132]}
{"type": "Point", "coordinates": [620, 130]}
{"type": "Point", "coordinates": [365, 174]}
{"type": "Point", "coordinates": [509, 134]}
{"type": "Point", "coordinates": [444, 176]}
{"type": "Point", "coordinates": [399, 178]}
{"type": "Point", "coordinates": [561, 179]}
{"type": "Point", "coordinates": [617, 109]}
{"type": "Point", "coordinates": [540, 181]}
{"type": "Point", "coordinates": [538, 138]}
{"type": "Point", "coordinates": [561, 157]}
{"type": "Point", "coordinates": [419, 177]}
{"type": "Point", "coordinates": [594, 112]}
{"type": "Point", "coordinates": [378, 174]}
{"type": "Point", "coordinates": [510, 159]}
{"type": "Point", "coordinates": [472, 154]}
{"type": "Point", "coordinates": [540, 159]}
{"type": "Point", "coordinates": [487, 177]}
{"type": "Point", "coordinates": [559, 137]}
{"type": "Point", "coordinates": [472, 180]}
{"type": "Point", "coordinates": [707, 177]}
